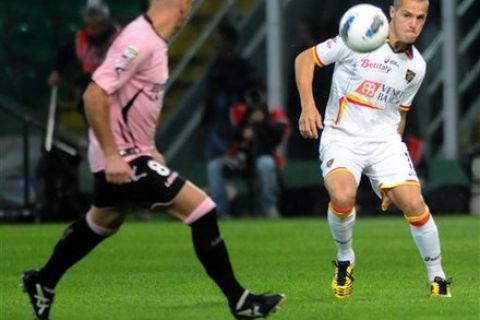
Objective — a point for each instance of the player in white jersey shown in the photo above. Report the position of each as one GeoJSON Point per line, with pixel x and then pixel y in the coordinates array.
{"type": "Point", "coordinates": [364, 120]}
{"type": "Point", "coordinates": [123, 105]}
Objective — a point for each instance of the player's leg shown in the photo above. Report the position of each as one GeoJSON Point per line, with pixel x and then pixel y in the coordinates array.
{"type": "Point", "coordinates": [164, 187]}
{"type": "Point", "coordinates": [78, 240]}
{"type": "Point", "coordinates": [394, 179]}
{"type": "Point", "coordinates": [424, 232]}
{"type": "Point", "coordinates": [342, 169]}
{"type": "Point", "coordinates": [197, 210]}
{"type": "Point", "coordinates": [342, 187]}
{"type": "Point", "coordinates": [266, 170]}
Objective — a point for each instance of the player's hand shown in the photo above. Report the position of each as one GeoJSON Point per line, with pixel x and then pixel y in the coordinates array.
{"type": "Point", "coordinates": [310, 122]}
{"type": "Point", "coordinates": [117, 171]}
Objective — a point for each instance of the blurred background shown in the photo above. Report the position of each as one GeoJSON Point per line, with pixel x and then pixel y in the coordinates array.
{"type": "Point", "coordinates": [443, 127]}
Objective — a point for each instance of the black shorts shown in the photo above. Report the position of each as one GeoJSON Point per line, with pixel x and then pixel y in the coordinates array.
{"type": "Point", "coordinates": [153, 184]}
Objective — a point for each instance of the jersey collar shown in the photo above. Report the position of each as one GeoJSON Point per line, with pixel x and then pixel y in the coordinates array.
{"type": "Point", "coordinates": [408, 51]}
{"type": "Point", "coordinates": [150, 22]}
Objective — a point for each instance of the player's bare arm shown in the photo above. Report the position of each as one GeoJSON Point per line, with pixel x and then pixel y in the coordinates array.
{"type": "Point", "coordinates": [403, 121]}
{"type": "Point", "coordinates": [310, 119]}
{"type": "Point", "coordinates": [97, 111]}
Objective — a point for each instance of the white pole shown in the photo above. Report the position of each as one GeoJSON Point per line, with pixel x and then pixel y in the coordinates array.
{"type": "Point", "coordinates": [51, 119]}
{"type": "Point", "coordinates": [275, 72]}
{"type": "Point", "coordinates": [450, 79]}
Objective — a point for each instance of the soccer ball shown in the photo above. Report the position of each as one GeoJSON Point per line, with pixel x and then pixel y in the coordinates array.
{"type": "Point", "coordinates": [363, 28]}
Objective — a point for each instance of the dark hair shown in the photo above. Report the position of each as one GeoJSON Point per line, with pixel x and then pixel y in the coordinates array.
{"type": "Point", "coordinates": [228, 32]}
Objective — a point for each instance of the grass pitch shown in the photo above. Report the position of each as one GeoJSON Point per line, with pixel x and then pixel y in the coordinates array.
{"type": "Point", "coordinates": [149, 271]}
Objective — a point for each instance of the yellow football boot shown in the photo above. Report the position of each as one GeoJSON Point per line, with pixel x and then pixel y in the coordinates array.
{"type": "Point", "coordinates": [342, 280]}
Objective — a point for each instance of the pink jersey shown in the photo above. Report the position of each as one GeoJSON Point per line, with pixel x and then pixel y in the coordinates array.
{"type": "Point", "coordinates": [133, 75]}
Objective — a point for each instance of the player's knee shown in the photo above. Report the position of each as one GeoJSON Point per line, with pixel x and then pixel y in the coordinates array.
{"type": "Point", "coordinates": [205, 207]}
{"type": "Point", "coordinates": [104, 226]}
{"type": "Point", "coordinates": [342, 192]}
{"type": "Point", "coordinates": [413, 207]}
{"type": "Point", "coordinates": [343, 200]}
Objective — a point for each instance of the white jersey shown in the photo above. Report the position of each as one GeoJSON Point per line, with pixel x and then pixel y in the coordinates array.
{"type": "Point", "coordinates": [368, 90]}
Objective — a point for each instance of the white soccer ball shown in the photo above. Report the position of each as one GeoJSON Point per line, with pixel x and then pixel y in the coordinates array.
{"type": "Point", "coordinates": [364, 28]}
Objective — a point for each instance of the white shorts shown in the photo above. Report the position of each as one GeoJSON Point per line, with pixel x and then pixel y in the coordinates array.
{"type": "Point", "coordinates": [386, 164]}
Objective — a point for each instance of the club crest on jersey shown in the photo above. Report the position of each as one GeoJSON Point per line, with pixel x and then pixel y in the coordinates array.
{"type": "Point", "coordinates": [130, 53]}
{"type": "Point", "coordinates": [410, 76]}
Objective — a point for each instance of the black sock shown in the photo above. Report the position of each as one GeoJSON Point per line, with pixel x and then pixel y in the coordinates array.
{"type": "Point", "coordinates": [77, 241]}
{"type": "Point", "coordinates": [212, 252]}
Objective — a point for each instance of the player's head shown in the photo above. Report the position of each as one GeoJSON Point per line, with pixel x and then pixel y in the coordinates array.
{"type": "Point", "coordinates": [407, 20]}
{"type": "Point", "coordinates": [185, 7]}
{"type": "Point", "coordinates": [97, 21]}
{"type": "Point", "coordinates": [176, 11]}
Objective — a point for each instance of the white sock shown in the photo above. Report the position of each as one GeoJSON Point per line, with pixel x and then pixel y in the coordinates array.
{"type": "Point", "coordinates": [342, 232]}
{"type": "Point", "coordinates": [428, 243]}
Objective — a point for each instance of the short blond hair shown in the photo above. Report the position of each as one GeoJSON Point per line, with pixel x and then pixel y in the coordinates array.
{"type": "Point", "coordinates": [398, 3]}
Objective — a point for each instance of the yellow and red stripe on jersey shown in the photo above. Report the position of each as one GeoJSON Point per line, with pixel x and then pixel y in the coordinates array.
{"type": "Point", "coordinates": [420, 220]}
{"type": "Point", "coordinates": [342, 107]}
{"type": "Point", "coordinates": [355, 100]}
{"type": "Point", "coordinates": [316, 58]}
{"type": "Point", "coordinates": [404, 108]}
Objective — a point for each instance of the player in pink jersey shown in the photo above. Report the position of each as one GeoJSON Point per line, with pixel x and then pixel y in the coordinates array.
{"type": "Point", "coordinates": [123, 104]}
{"type": "Point", "coordinates": [364, 120]}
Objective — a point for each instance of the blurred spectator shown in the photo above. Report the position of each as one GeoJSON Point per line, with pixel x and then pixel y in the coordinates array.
{"type": "Point", "coordinates": [57, 172]}
{"type": "Point", "coordinates": [227, 79]}
{"type": "Point", "coordinates": [308, 35]}
{"type": "Point", "coordinates": [89, 47]}
{"type": "Point", "coordinates": [253, 152]}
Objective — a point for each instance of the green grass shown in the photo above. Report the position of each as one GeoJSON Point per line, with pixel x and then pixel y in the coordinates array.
{"type": "Point", "coordinates": [149, 271]}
